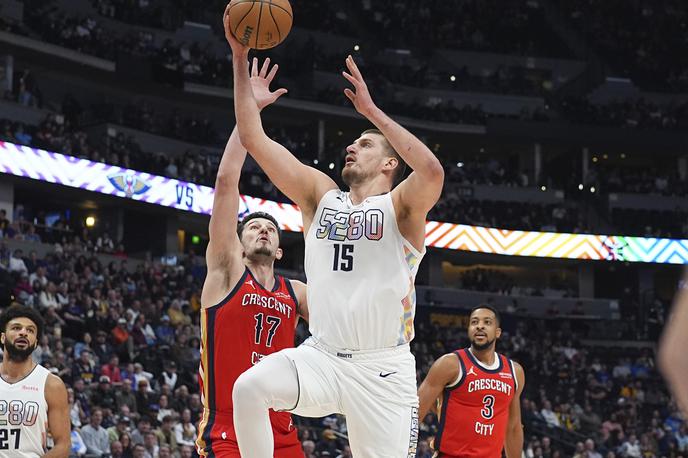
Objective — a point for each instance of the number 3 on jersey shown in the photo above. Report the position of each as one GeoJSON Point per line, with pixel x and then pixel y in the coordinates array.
{"type": "Point", "coordinates": [488, 407]}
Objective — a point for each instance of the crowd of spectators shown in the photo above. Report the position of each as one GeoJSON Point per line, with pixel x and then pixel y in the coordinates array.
{"type": "Point", "coordinates": [175, 63]}
{"type": "Point", "coordinates": [501, 282]}
{"type": "Point", "coordinates": [664, 181]}
{"type": "Point", "coordinates": [626, 113]}
{"type": "Point", "coordinates": [493, 26]}
{"type": "Point", "coordinates": [652, 223]}
{"type": "Point", "coordinates": [124, 338]}
{"type": "Point", "coordinates": [641, 38]}
{"type": "Point", "coordinates": [563, 217]}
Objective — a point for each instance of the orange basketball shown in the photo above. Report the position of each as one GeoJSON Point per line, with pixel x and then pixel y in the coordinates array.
{"type": "Point", "coordinates": [260, 24]}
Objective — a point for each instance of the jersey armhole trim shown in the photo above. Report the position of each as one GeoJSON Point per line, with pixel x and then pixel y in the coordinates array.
{"type": "Point", "coordinates": [231, 294]}
{"type": "Point", "coordinates": [419, 254]}
{"type": "Point", "coordinates": [292, 293]}
{"type": "Point", "coordinates": [462, 374]}
{"type": "Point", "coordinates": [513, 372]}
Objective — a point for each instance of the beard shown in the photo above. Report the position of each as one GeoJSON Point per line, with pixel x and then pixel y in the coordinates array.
{"type": "Point", "coordinates": [481, 347]}
{"type": "Point", "coordinates": [260, 253]}
{"type": "Point", "coordinates": [18, 355]}
{"type": "Point", "coordinates": [352, 177]}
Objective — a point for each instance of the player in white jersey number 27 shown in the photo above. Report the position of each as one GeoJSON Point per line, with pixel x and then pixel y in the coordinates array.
{"type": "Point", "coordinates": [33, 402]}
{"type": "Point", "coordinates": [363, 248]}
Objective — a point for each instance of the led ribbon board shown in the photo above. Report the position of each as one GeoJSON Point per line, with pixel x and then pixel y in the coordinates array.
{"type": "Point", "coordinates": [113, 180]}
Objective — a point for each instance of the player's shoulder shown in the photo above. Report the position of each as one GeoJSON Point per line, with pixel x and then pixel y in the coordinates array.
{"type": "Point", "coordinates": [448, 363]}
{"type": "Point", "coordinates": [55, 389]}
{"type": "Point", "coordinates": [53, 382]}
{"type": "Point", "coordinates": [518, 369]}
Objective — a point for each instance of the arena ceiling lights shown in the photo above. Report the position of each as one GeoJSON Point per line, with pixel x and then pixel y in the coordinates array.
{"type": "Point", "coordinates": [57, 168]}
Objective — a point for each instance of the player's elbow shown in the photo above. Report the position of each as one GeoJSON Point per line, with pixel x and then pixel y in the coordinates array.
{"type": "Point", "coordinates": [433, 170]}
{"type": "Point", "coordinates": [252, 139]}
{"type": "Point", "coordinates": [226, 180]}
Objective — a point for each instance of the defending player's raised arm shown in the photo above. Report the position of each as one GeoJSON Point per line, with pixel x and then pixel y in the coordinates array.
{"type": "Point", "coordinates": [421, 190]}
{"type": "Point", "coordinates": [58, 417]}
{"type": "Point", "coordinates": [443, 372]}
{"type": "Point", "coordinates": [672, 358]}
{"type": "Point", "coordinates": [302, 184]}
{"type": "Point", "coordinates": [513, 444]}
{"type": "Point", "coordinates": [223, 255]}
{"type": "Point", "coordinates": [224, 247]}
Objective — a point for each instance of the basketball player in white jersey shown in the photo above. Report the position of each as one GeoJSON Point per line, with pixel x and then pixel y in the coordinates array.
{"type": "Point", "coordinates": [33, 402]}
{"type": "Point", "coordinates": [363, 248]}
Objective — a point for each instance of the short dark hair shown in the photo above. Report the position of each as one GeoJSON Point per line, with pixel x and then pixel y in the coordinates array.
{"type": "Point", "coordinates": [400, 171]}
{"type": "Point", "coordinates": [259, 215]}
{"type": "Point", "coordinates": [491, 309]}
{"type": "Point", "coordinates": [22, 311]}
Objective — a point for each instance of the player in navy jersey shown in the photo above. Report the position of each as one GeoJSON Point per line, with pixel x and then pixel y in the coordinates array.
{"type": "Point", "coordinates": [479, 395]}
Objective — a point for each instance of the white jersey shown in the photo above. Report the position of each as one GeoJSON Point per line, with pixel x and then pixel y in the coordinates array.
{"type": "Point", "coordinates": [360, 273]}
{"type": "Point", "coordinates": [24, 416]}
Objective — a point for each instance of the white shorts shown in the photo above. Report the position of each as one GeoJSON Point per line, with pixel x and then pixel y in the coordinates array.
{"type": "Point", "coordinates": [375, 390]}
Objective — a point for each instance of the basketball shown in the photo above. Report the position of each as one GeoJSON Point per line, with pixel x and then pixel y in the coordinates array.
{"type": "Point", "coordinates": [260, 24]}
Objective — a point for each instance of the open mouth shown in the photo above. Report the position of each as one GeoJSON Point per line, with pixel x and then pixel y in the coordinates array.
{"type": "Point", "coordinates": [480, 335]}
{"type": "Point", "coordinates": [21, 342]}
{"type": "Point", "coordinates": [349, 159]}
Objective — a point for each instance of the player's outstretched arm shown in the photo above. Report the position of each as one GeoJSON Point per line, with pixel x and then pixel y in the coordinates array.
{"type": "Point", "coordinates": [58, 417]}
{"type": "Point", "coordinates": [420, 191]}
{"type": "Point", "coordinates": [302, 184]}
{"type": "Point", "coordinates": [513, 445]}
{"type": "Point", "coordinates": [224, 255]}
{"type": "Point", "coordinates": [672, 350]}
{"type": "Point", "coordinates": [443, 372]}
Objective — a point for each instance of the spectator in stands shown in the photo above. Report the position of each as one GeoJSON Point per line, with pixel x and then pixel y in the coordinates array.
{"type": "Point", "coordinates": [185, 431]}
{"type": "Point", "coordinates": [150, 443]}
{"type": "Point", "coordinates": [165, 434]}
{"type": "Point", "coordinates": [17, 263]}
{"type": "Point", "coordinates": [95, 436]}
{"type": "Point", "coordinates": [85, 368]}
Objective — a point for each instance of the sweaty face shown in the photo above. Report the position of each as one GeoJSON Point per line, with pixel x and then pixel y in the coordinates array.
{"type": "Point", "coordinates": [20, 339]}
{"type": "Point", "coordinates": [365, 159]}
{"type": "Point", "coordinates": [260, 239]}
{"type": "Point", "coordinates": [483, 329]}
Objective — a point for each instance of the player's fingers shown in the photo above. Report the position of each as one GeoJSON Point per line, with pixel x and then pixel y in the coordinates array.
{"type": "Point", "coordinates": [254, 67]}
{"type": "Point", "coordinates": [264, 68]}
{"type": "Point", "coordinates": [280, 92]}
{"type": "Point", "coordinates": [273, 72]}
{"type": "Point", "coordinates": [226, 13]}
{"type": "Point", "coordinates": [349, 94]}
{"type": "Point", "coordinates": [351, 79]}
{"type": "Point", "coordinates": [353, 68]}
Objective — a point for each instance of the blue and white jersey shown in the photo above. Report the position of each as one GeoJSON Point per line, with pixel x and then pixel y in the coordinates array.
{"type": "Point", "coordinates": [360, 273]}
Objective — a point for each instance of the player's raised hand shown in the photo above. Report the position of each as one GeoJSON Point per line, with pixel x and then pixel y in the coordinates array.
{"type": "Point", "coordinates": [260, 83]}
{"type": "Point", "coordinates": [238, 49]}
{"type": "Point", "coordinates": [360, 96]}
